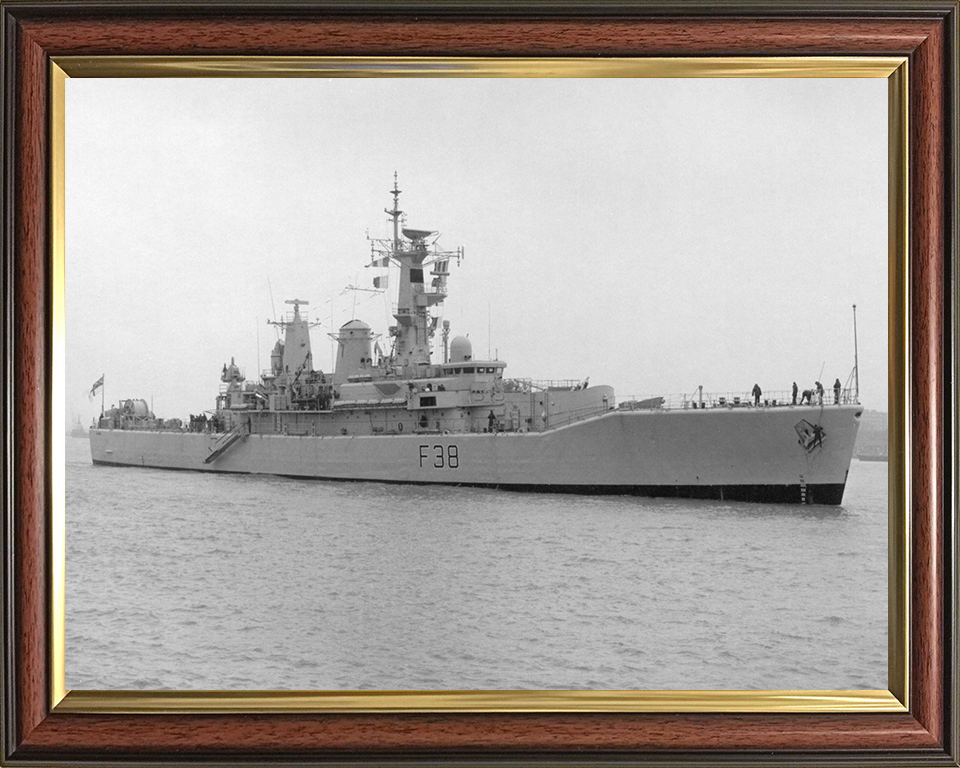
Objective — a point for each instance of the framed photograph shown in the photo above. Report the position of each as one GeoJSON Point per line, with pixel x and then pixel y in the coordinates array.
{"type": "Point", "coordinates": [554, 384]}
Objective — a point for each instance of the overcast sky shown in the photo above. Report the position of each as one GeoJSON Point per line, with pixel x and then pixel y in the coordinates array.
{"type": "Point", "coordinates": [654, 235]}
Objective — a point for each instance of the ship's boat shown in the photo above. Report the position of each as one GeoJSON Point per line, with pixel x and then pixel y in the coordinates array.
{"type": "Point", "coordinates": [397, 415]}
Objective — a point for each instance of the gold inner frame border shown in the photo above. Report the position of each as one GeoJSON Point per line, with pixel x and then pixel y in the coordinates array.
{"type": "Point", "coordinates": [895, 699]}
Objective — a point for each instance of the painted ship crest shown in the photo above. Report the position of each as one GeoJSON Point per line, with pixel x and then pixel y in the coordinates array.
{"type": "Point", "coordinates": [811, 435]}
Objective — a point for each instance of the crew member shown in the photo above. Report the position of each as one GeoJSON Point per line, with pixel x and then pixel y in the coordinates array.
{"type": "Point", "coordinates": [794, 393]}
{"type": "Point", "coordinates": [836, 392]}
{"type": "Point", "coordinates": [491, 420]}
{"type": "Point", "coordinates": [756, 394]}
{"type": "Point", "coordinates": [818, 435]}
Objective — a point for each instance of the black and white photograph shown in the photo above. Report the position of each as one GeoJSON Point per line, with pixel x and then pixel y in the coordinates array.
{"type": "Point", "coordinates": [411, 383]}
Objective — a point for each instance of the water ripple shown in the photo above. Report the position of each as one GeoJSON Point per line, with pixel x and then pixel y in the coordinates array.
{"type": "Point", "coordinates": [192, 581]}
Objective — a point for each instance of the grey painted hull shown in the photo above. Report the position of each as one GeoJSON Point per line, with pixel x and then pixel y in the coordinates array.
{"type": "Point", "coordinates": [753, 454]}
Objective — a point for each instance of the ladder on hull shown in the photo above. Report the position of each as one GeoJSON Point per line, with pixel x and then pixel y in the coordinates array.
{"type": "Point", "coordinates": [225, 442]}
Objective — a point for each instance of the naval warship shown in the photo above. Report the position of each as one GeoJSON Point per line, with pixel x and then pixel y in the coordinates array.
{"type": "Point", "coordinates": [394, 414]}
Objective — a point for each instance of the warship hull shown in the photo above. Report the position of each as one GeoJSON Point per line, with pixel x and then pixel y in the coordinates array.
{"type": "Point", "coordinates": [744, 454]}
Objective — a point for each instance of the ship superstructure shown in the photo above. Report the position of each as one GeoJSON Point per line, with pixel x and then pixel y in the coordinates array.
{"type": "Point", "coordinates": [398, 415]}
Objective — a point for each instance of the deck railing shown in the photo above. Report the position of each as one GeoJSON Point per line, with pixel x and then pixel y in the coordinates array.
{"type": "Point", "coordinates": [540, 385]}
{"type": "Point", "coordinates": [775, 399]}
{"type": "Point", "coordinates": [769, 399]}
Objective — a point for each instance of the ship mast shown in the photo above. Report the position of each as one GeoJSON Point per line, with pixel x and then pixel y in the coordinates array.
{"type": "Point", "coordinates": [416, 293]}
{"type": "Point", "coordinates": [294, 352]}
{"type": "Point", "coordinates": [395, 214]}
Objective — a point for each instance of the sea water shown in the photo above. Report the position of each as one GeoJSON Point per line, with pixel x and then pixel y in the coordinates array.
{"type": "Point", "coordinates": [187, 580]}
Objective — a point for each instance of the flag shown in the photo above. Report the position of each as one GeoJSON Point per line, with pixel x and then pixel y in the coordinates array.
{"type": "Point", "coordinates": [380, 282]}
{"type": "Point", "coordinates": [96, 385]}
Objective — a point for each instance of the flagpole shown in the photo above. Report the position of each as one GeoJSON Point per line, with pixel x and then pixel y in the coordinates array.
{"type": "Point", "coordinates": [103, 396]}
{"type": "Point", "coordinates": [856, 358]}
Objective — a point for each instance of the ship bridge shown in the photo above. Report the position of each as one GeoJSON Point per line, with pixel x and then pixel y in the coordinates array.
{"type": "Point", "coordinates": [466, 367]}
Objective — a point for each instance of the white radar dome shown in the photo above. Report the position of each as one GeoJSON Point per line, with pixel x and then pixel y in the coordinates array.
{"type": "Point", "coordinates": [354, 327]}
{"type": "Point", "coordinates": [461, 349]}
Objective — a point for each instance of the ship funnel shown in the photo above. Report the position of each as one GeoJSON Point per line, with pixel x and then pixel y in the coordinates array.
{"type": "Point", "coordinates": [354, 356]}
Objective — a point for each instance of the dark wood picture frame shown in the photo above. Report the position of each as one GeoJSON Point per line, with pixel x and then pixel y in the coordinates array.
{"type": "Point", "coordinates": [925, 32]}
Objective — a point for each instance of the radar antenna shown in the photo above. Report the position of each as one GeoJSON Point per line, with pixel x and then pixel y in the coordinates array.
{"type": "Point", "coordinates": [297, 303]}
{"type": "Point", "coordinates": [356, 288]}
